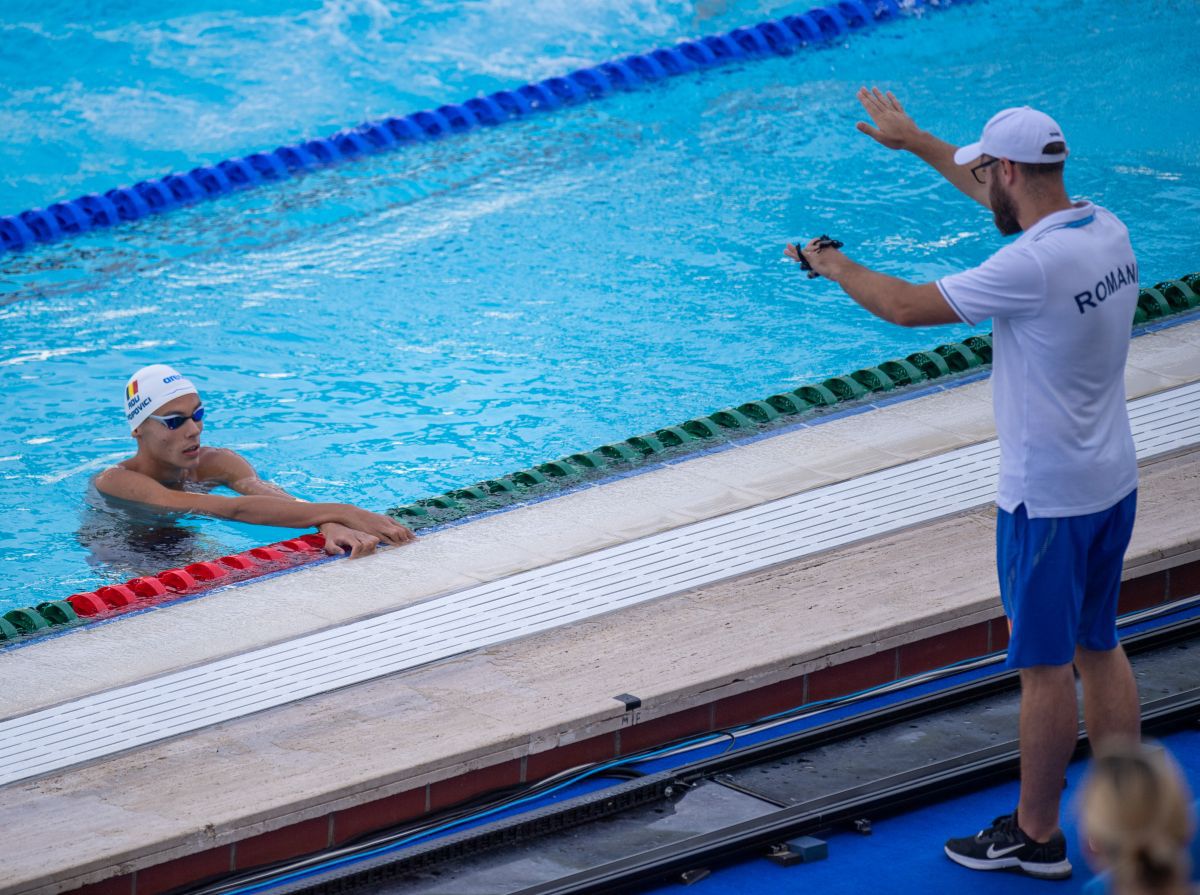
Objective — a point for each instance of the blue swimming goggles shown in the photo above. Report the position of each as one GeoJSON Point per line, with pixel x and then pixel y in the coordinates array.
{"type": "Point", "coordinates": [175, 420]}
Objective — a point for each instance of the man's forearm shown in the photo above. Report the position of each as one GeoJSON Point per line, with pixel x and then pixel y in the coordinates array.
{"type": "Point", "coordinates": [939, 155]}
{"type": "Point", "coordinates": [879, 293]}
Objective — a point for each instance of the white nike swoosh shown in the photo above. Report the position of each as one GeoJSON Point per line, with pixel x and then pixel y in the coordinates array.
{"type": "Point", "coordinates": [994, 852]}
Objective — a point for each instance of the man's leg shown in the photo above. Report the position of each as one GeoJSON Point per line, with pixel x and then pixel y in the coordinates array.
{"type": "Point", "coordinates": [1049, 728]}
{"type": "Point", "coordinates": [1110, 699]}
{"type": "Point", "coordinates": [1029, 839]}
{"type": "Point", "coordinates": [1038, 568]}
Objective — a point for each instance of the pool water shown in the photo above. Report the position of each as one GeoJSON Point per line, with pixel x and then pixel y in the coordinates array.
{"type": "Point", "coordinates": [453, 311]}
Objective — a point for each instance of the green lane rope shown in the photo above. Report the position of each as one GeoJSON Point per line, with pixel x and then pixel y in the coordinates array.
{"type": "Point", "coordinates": [734, 423]}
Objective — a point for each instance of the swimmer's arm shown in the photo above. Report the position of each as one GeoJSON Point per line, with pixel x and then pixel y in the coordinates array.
{"type": "Point", "coordinates": [895, 129]}
{"type": "Point", "coordinates": [235, 471]}
{"type": "Point", "coordinates": [890, 298]}
{"type": "Point", "coordinates": [255, 509]}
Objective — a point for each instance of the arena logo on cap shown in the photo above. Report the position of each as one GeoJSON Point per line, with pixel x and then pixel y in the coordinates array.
{"type": "Point", "coordinates": [170, 379]}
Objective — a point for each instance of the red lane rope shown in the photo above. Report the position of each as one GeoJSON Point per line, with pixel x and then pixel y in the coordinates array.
{"type": "Point", "coordinates": [171, 584]}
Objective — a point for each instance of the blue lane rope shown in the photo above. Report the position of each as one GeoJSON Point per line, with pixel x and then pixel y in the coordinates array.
{"type": "Point", "coordinates": [777, 37]}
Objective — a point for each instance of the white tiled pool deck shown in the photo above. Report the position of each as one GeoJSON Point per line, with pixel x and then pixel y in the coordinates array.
{"type": "Point", "coordinates": [515, 700]}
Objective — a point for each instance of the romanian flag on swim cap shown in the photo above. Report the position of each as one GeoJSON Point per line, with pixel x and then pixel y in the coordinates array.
{"type": "Point", "coordinates": [131, 390]}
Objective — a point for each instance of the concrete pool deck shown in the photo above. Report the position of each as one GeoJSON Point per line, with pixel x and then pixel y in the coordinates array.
{"type": "Point", "coordinates": [325, 769]}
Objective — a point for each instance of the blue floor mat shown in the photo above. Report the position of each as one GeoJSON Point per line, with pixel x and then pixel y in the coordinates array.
{"type": "Point", "coordinates": [904, 853]}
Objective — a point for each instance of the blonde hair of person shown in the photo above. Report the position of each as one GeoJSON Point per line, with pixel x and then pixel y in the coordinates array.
{"type": "Point", "coordinates": [1136, 814]}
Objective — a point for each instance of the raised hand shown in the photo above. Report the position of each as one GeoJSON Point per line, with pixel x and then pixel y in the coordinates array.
{"type": "Point", "coordinates": [893, 127]}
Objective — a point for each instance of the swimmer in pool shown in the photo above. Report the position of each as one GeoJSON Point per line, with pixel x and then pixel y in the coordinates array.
{"type": "Point", "coordinates": [172, 472]}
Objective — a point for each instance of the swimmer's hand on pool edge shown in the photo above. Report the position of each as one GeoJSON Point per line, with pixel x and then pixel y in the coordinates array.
{"type": "Point", "coordinates": [356, 539]}
{"type": "Point", "coordinates": [341, 539]}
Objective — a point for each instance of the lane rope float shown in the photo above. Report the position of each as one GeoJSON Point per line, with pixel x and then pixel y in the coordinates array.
{"type": "Point", "coordinates": [776, 37]}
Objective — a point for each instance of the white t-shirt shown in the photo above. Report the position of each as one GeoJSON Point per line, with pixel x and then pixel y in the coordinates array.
{"type": "Point", "coordinates": [1061, 298]}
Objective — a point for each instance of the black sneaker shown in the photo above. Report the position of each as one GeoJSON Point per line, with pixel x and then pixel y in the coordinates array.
{"type": "Point", "coordinates": [1004, 845]}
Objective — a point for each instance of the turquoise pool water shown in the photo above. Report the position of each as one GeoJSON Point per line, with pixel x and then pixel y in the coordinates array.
{"type": "Point", "coordinates": [418, 321]}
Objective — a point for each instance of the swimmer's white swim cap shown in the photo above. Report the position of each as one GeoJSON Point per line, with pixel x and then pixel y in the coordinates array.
{"type": "Point", "coordinates": [150, 388]}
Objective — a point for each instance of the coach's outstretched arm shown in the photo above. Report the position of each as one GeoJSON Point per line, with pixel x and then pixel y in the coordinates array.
{"type": "Point", "coordinates": [890, 298]}
{"type": "Point", "coordinates": [895, 129]}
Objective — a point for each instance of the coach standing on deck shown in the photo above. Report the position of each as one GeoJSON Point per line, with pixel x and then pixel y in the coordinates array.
{"type": "Point", "coordinates": [1061, 298]}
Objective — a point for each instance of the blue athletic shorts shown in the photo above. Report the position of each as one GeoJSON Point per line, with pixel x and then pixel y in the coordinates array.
{"type": "Point", "coordinates": [1059, 581]}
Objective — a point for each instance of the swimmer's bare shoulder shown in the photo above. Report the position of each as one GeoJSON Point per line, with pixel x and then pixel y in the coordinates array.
{"type": "Point", "coordinates": [217, 466]}
{"type": "Point", "coordinates": [223, 466]}
{"type": "Point", "coordinates": [127, 483]}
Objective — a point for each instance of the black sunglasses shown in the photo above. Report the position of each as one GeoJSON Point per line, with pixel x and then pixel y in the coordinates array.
{"type": "Point", "coordinates": [175, 420]}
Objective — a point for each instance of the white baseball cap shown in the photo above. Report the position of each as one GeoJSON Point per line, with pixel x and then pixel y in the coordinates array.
{"type": "Point", "coordinates": [150, 388]}
{"type": "Point", "coordinates": [1019, 134]}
